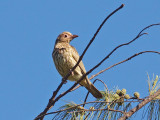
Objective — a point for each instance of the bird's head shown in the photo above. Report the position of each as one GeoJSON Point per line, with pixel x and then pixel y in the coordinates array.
{"type": "Point", "coordinates": [65, 37]}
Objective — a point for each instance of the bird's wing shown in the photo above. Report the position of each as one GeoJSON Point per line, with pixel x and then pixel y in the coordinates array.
{"type": "Point", "coordinates": [75, 55]}
{"type": "Point", "coordinates": [76, 58]}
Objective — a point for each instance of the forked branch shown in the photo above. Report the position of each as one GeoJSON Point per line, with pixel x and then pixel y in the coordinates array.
{"type": "Point", "coordinates": [53, 100]}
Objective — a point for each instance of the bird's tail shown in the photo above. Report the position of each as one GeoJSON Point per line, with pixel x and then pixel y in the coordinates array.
{"type": "Point", "coordinates": [91, 88]}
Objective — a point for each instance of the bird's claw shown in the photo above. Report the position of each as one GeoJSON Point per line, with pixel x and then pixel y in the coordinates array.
{"type": "Point", "coordinates": [72, 73]}
{"type": "Point", "coordinates": [64, 81]}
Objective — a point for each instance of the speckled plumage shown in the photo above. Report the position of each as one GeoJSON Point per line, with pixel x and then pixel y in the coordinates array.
{"type": "Point", "coordinates": [65, 57]}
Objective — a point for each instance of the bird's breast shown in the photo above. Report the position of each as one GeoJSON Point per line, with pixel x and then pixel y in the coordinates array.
{"type": "Point", "coordinates": [62, 60]}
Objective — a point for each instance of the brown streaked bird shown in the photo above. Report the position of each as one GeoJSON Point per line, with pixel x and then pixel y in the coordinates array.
{"type": "Point", "coordinates": [65, 58]}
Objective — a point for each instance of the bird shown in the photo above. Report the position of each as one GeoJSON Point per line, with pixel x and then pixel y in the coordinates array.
{"type": "Point", "coordinates": [65, 58]}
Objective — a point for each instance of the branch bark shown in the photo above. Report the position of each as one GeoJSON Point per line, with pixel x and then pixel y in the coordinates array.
{"type": "Point", "coordinates": [139, 106]}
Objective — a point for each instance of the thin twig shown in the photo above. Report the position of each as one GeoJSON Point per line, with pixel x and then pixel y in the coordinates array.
{"type": "Point", "coordinates": [90, 103]}
{"type": "Point", "coordinates": [99, 110]}
{"type": "Point", "coordinates": [147, 28]}
{"type": "Point", "coordinates": [139, 106]}
{"type": "Point", "coordinates": [88, 91]}
{"type": "Point", "coordinates": [139, 35]}
{"type": "Point", "coordinates": [87, 116]}
{"type": "Point", "coordinates": [123, 62]}
{"type": "Point", "coordinates": [103, 83]}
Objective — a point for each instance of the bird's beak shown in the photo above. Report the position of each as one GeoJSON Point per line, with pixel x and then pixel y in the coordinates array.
{"type": "Point", "coordinates": [74, 36]}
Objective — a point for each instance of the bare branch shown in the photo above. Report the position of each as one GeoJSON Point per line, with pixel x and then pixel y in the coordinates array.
{"type": "Point", "coordinates": [100, 110]}
{"type": "Point", "coordinates": [61, 95]}
{"type": "Point", "coordinates": [103, 83]}
{"type": "Point", "coordinates": [139, 35]}
{"type": "Point", "coordinates": [93, 39]}
{"type": "Point", "coordinates": [139, 106]}
{"type": "Point", "coordinates": [52, 100]}
{"type": "Point", "coordinates": [147, 28]}
{"type": "Point", "coordinates": [116, 65]}
{"type": "Point", "coordinates": [123, 62]}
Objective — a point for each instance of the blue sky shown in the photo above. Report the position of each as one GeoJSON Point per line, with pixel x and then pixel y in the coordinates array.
{"type": "Point", "coordinates": [28, 30]}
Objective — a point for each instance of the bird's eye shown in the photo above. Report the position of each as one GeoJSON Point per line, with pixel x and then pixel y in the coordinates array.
{"type": "Point", "coordinates": [65, 36]}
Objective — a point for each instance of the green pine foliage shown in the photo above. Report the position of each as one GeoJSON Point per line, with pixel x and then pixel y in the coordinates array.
{"type": "Point", "coordinates": [112, 106]}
